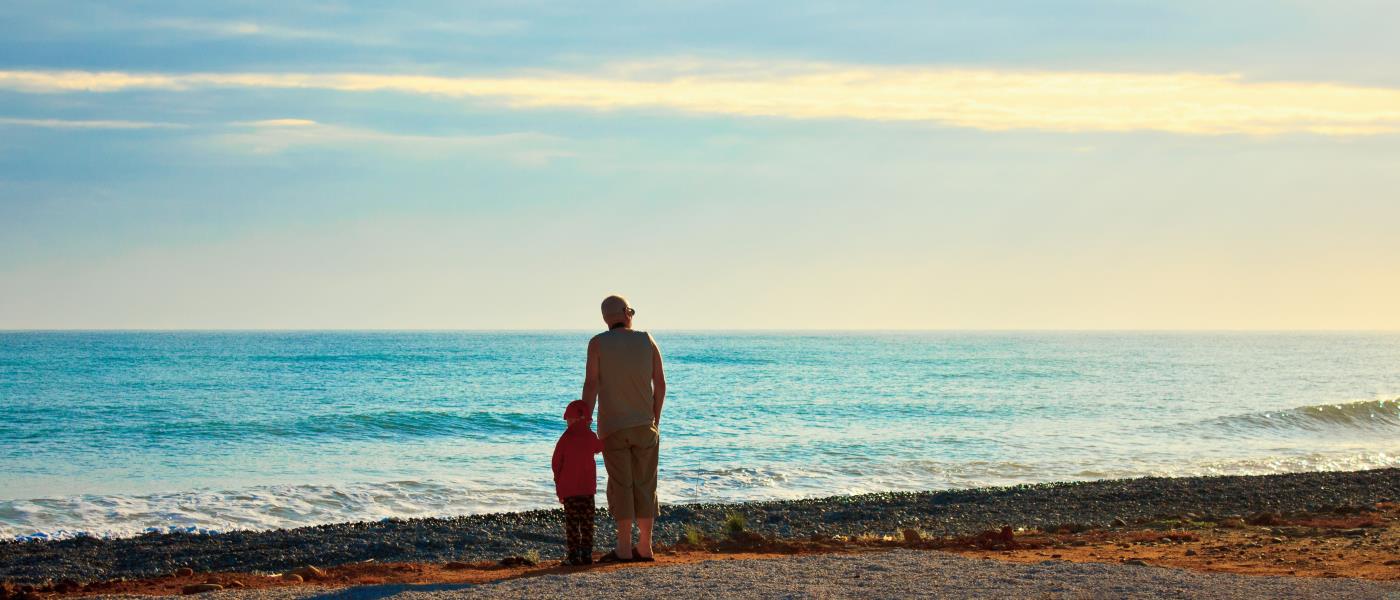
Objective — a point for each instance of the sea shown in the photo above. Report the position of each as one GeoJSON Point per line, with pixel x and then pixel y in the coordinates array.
{"type": "Point", "coordinates": [122, 433]}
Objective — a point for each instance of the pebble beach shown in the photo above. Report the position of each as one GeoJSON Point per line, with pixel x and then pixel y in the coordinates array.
{"type": "Point", "coordinates": [494, 536]}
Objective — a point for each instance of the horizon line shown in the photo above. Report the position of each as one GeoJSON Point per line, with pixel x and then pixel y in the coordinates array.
{"type": "Point", "coordinates": [689, 329]}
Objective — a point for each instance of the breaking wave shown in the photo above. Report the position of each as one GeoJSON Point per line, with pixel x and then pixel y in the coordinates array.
{"type": "Point", "coordinates": [1379, 416]}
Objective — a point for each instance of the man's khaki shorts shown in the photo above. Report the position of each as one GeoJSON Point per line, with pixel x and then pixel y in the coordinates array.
{"type": "Point", "coordinates": [630, 457]}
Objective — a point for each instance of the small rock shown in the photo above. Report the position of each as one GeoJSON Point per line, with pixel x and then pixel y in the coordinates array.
{"type": "Point", "coordinates": [1137, 562]}
{"type": "Point", "coordinates": [1190, 552]}
{"type": "Point", "coordinates": [456, 566]}
{"type": "Point", "coordinates": [236, 584]}
{"type": "Point", "coordinates": [292, 577]}
{"type": "Point", "coordinates": [1392, 563]}
{"type": "Point", "coordinates": [913, 536]}
{"type": "Point", "coordinates": [1119, 522]}
{"type": "Point", "coordinates": [200, 588]}
{"type": "Point", "coordinates": [1264, 518]}
{"type": "Point", "coordinates": [310, 573]}
{"type": "Point", "coordinates": [184, 572]}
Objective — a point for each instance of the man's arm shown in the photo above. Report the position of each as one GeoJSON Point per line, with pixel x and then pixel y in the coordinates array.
{"type": "Point", "coordinates": [658, 383]}
{"type": "Point", "coordinates": [590, 378]}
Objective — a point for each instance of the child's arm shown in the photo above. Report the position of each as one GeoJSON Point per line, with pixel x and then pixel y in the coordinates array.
{"type": "Point", "coordinates": [558, 464]}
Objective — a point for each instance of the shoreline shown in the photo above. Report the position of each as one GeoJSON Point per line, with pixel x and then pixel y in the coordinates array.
{"type": "Point", "coordinates": [490, 537]}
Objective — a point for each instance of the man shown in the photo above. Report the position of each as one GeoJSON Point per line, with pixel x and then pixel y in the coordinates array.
{"type": "Point", "coordinates": [625, 379]}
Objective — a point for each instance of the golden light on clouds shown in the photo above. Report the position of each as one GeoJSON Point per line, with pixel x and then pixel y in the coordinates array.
{"type": "Point", "coordinates": [85, 124]}
{"type": "Point", "coordinates": [987, 99]}
{"type": "Point", "coordinates": [272, 136]}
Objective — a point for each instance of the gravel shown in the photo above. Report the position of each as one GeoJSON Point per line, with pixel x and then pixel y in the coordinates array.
{"type": "Point", "coordinates": [491, 537]}
{"type": "Point", "coordinates": [893, 574]}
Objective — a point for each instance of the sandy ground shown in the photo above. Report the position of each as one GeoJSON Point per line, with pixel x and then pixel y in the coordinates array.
{"type": "Point", "coordinates": [1352, 554]}
{"type": "Point", "coordinates": [875, 574]}
{"type": "Point", "coordinates": [59, 565]}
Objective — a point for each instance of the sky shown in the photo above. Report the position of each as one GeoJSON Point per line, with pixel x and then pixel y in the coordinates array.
{"type": "Point", "coordinates": [1033, 164]}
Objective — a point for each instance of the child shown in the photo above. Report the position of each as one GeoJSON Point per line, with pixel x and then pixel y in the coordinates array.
{"type": "Point", "coordinates": [576, 481]}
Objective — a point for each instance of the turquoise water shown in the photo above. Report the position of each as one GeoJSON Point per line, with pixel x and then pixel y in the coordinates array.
{"type": "Point", "coordinates": [118, 432]}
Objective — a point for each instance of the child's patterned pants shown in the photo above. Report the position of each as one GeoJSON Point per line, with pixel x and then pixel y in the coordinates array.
{"type": "Point", "coordinates": [578, 524]}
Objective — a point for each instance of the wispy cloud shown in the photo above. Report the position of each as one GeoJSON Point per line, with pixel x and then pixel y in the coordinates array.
{"type": "Point", "coordinates": [1184, 103]}
{"type": "Point", "coordinates": [89, 124]}
{"type": "Point", "coordinates": [379, 34]}
{"type": "Point", "coordinates": [275, 136]}
{"type": "Point", "coordinates": [236, 29]}
{"type": "Point", "coordinates": [278, 123]}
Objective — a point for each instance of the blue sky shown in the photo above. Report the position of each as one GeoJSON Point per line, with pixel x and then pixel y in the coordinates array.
{"type": "Point", "coordinates": [806, 165]}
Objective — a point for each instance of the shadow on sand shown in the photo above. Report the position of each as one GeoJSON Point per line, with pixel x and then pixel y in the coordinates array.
{"type": "Point", "coordinates": [381, 591]}
{"type": "Point", "coordinates": [377, 592]}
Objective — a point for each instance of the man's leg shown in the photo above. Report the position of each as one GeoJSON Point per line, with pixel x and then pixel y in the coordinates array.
{"type": "Point", "coordinates": [644, 471]}
{"type": "Point", "coordinates": [624, 539]}
{"type": "Point", "coordinates": [644, 536]}
{"type": "Point", "coordinates": [617, 459]}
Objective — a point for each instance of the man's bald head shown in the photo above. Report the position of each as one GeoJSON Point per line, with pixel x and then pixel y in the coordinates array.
{"type": "Point", "coordinates": [617, 310]}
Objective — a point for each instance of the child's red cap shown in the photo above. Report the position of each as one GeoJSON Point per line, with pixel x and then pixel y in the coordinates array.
{"type": "Point", "coordinates": [575, 410]}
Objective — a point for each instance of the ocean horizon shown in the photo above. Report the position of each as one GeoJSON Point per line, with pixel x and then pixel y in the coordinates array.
{"type": "Point", "coordinates": [120, 432]}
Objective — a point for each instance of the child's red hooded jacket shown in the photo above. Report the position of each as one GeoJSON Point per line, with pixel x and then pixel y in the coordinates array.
{"type": "Point", "coordinates": [575, 472]}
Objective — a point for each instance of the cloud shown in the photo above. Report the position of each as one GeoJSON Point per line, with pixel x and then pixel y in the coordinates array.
{"type": "Point", "coordinates": [379, 34]}
{"type": "Point", "coordinates": [231, 28]}
{"type": "Point", "coordinates": [279, 123]}
{"type": "Point", "coordinates": [275, 136]}
{"type": "Point", "coordinates": [987, 99]}
{"type": "Point", "coordinates": [97, 124]}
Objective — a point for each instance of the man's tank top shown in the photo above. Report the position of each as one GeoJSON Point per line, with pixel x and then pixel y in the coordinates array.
{"type": "Point", "coordinates": [624, 380]}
